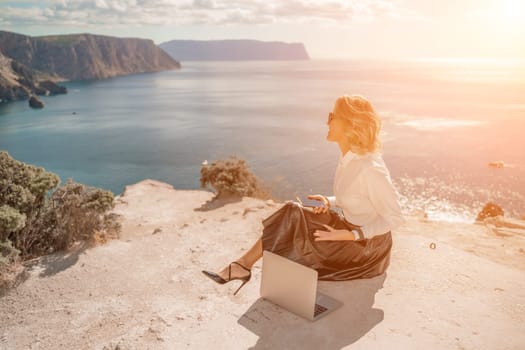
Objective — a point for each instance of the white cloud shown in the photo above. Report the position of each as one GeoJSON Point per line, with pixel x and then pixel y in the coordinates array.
{"type": "Point", "coordinates": [102, 4]}
{"type": "Point", "coordinates": [20, 15]}
{"type": "Point", "coordinates": [205, 4]}
{"type": "Point", "coordinates": [220, 12]}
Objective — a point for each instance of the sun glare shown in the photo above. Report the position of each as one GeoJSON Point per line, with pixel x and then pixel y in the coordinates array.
{"type": "Point", "coordinates": [514, 9]}
{"type": "Point", "coordinates": [508, 18]}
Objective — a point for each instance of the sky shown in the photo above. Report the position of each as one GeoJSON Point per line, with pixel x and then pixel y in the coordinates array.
{"type": "Point", "coordinates": [330, 29]}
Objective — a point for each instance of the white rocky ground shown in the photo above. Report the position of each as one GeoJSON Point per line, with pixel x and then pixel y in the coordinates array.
{"type": "Point", "coordinates": [146, 291]}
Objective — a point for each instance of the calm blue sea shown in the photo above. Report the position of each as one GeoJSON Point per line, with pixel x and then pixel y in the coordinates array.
{"type": "Point", "coordinates": [444, 121]}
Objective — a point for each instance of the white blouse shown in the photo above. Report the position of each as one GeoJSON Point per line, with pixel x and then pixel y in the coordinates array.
{"type": "Point", "coordinates": [364, 190]}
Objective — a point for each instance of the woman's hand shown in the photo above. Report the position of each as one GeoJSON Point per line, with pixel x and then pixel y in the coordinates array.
{"type": "Point", "coordinates": [320, 198]}
{"type": "Point", "coordinates": [333, 235]}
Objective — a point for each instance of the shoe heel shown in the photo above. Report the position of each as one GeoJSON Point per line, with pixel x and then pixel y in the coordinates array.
{"type": "Point", "coordinates": [243, 283]}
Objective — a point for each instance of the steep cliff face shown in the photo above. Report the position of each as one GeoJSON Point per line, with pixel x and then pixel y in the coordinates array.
{"type": "Point", "coordinates": [85, 56]}
{"type": "Point", "coordinates": [18, 82]}
{"type": "Point", "coordinates": [234, 50]}
{"type": "Point", "coordinates": [27, 64]}
{"type": "Point", "coordinates": [12, 83]}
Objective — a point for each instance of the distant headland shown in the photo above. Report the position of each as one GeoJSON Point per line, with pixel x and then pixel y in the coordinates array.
{"type": "Point", "coordinates": [30, 65]}
{"type": "Point", "coordinates": [234, 50]}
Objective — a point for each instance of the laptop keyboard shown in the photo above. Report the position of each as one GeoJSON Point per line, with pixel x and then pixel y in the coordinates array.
{"type": "Point", "coordinates": [319, 309]}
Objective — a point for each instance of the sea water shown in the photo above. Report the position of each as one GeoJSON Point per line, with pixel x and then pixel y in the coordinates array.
{"type": "Point", "coordinates": [443, 122]}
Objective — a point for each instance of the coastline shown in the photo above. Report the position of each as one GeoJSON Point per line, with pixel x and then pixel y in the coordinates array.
{"type": "Point", "coordinates": [145, 289]}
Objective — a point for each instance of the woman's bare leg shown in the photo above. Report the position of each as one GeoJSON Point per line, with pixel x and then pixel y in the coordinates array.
{"type": "Point", "coordinates": [247, 260]}
{"type": "Point", "coordinates": [251, 256]}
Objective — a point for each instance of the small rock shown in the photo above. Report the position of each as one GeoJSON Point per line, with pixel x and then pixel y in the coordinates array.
{"type": "Point", "coordinates": [489, 210]}
{"type": "Point", "coordinates": [247, 210]}
{"type": "Point", "coordinates": [497, 164]}
{"type": "Point", "coordinates": [52, 88]}
{"type": "Point", "coordinates": [34, 102]}
{"type": "Point", "coordinates": [157, 230]}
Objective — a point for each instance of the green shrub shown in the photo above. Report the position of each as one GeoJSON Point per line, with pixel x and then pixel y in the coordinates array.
{"type": "Point", "coordinates": [8, 253]}
{"type": "Point", "coordinates": [11, 220]}
{"type": "Point", "coordinates": [38, 218]}
{"type": "Point", "coordinates": [23, 190]}
{"type": "Point", "coordinates": [232, 177]}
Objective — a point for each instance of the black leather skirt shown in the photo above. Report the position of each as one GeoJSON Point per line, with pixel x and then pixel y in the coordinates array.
{"type": "Point", "coordinates": [289, 232]}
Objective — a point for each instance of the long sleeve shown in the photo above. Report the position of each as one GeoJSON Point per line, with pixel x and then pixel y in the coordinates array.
{"type": "Point", "coordinates": [331, 200]}
{"type": "Point", "coordinates": [384, 199]}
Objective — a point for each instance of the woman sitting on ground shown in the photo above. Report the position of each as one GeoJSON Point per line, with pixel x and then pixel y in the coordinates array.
{"type": "Point", "coordinates": [354, 245]}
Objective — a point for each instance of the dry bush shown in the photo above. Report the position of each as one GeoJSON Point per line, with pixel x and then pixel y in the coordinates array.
{"type": "Point", "coordinates": [11, 275]}
{"type": "Point", "coordinates": [8, 254]}
{"type": "Point", "coordinates": [10, 267]}
{"type": "Point", "coordinates": [232, 177]}
{"type": "Point", "coordinates": [37, 218]}
{"type": "Point", "coordinates": [76, 212]}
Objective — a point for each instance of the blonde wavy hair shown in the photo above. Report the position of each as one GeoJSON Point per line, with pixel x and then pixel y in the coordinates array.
{"type": "Point", "coordinates": [362, 123]}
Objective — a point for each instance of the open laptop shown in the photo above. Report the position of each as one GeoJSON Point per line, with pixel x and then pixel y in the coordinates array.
{"type": "Point", "coordinates": [294, 287]}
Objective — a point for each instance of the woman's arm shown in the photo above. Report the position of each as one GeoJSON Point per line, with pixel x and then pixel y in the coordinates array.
{"type": "Point", "coordinates": [331, 200]}
{"type": "Point", "coordinates": [333, 234]}
{"type": "Point", "coordinates": [384, 199]}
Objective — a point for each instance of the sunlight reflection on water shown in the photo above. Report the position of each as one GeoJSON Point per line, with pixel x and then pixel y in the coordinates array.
{"type": "Point", "coordinates": [440, 131]}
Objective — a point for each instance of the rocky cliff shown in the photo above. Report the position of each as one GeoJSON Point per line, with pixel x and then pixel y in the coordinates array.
{"type": "Point", "coordinates": [19, 82]}
{"type": "Point", "coordinates": [10, 87]}
{"type": "Point", "coordinates": [72, 57]}
{"type": "Point", "coordinates": [234, 50]}
{"type": "Point", "coordinates": [85, 56]}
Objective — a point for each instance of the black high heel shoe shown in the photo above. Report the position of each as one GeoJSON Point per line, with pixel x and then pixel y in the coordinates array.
{"type": "Point", "coordinates": [221, 280]}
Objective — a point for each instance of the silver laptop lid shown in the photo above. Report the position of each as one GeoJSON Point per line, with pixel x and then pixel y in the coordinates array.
{"type": "Point", "coordinates": [289, 284]}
